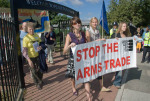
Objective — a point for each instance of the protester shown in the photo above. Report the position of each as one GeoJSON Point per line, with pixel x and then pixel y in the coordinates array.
{"type": "Point", "coordinates": [23, 32]}
{"type": "Point", "coordinates": [143, 35]}
{"type": "Point", "coordinates": [93, 34]}
{"type": "Point", "coordinates": [123, 31]}
{"type": "Point", "coordinates": [146, 46]}
{"type": "Point", "coordinates": [114, 29]}
{"type": "Point", "coordinates": [50, 40]}
{"type": "Point", "coordinates": [138, 32]}
{"type": "Point", "coordinates": [139, 41]}
{"type": "Point", "coordinates": [75, 37]}
{"type": "Point", "coordinates": [30, 52]}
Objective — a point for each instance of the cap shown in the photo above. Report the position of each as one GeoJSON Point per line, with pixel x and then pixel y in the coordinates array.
{"type": "Point", "coordinates": [115, 24]}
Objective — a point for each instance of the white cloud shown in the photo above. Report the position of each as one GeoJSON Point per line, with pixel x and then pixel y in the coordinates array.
{"type": "Point", "coordinates": [93, 1]}
{"type": "Point", "coordinates": [57, 0]}
{"type": "Point", "coordinates": [76, 2]}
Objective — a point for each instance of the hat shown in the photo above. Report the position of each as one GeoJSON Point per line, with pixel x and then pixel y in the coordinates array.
{"type": "Point", "coordinates": [115, 24]}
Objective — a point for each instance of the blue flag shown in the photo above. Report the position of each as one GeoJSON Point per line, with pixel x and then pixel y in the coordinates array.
{"type": "Point", "coordinates": [103, 18]}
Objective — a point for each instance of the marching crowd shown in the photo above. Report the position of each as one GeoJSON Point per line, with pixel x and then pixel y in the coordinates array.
{"type": "Point", "coordinates": [33, 49]}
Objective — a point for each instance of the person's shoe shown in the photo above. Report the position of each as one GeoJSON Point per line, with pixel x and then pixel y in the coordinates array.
{"type": "Point", "coordinates": [105, 89]}
{"type": "Point", "coordinates": [39, 87]}
{"type": "Point", "coordinates": [148, 61]}
{"type": "Point", "coordinates": [118, 87]}
{"type": "Point", "coordinates": [52, 63]}
{"type": "Point", "coordinates": [75, 93]}
{"type": "Point", "coordinates": [142, 61]}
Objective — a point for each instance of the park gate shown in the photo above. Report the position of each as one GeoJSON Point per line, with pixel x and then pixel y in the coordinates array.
{"type": "Point", "coordinates": [9, 71]}
{"type": "Point", "coordinates": [64, 29]}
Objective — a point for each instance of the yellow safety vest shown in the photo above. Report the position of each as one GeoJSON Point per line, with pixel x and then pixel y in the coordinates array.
{"type": "Point", "coordinates": [111, 31]}
{"type": "Point", "coordinates": [147, 39]}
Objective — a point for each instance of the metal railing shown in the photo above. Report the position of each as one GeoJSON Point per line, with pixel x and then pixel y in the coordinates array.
{"type": "Point", "coordinates": [9, 77]}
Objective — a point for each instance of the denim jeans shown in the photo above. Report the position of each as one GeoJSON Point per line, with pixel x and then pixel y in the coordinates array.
{"type": "Point", "coordinates": [118, 78]}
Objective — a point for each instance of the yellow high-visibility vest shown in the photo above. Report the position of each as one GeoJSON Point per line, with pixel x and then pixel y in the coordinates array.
{"type": "Point", "coordinates": [147, 39]}
{"type": "Point", "coordinates": [111, 31]}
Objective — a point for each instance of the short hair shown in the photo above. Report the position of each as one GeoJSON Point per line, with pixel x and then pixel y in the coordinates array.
{"type": "Point", "coordinates": [31, 24]}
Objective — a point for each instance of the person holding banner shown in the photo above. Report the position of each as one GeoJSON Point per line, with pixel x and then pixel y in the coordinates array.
{"type": "Point", "coordinates": [92, 34]}
{"type": "Point", "coordinates": [75, 37]}
{"type": "Point", "coordinates": [123, 31]}
{"type": "Point", "coordinates": [30, 52]}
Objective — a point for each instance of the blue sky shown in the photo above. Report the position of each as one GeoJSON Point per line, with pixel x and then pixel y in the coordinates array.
{"type": "Point", "coordinates": [87, 8]}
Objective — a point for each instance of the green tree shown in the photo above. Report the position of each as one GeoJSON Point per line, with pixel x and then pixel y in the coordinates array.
{"type": "Point", "coordinates": [134, 11]}
{"type": "Point", "coordinates": [55, 17]}
{"type": "Point", "coordinates": [4, 3]}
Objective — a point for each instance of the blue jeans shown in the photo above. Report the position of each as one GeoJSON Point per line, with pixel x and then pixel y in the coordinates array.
{"type": "Point", "coordinates": [118, 78]}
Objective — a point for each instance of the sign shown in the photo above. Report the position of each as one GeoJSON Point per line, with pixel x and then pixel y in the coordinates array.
{"type": "Point", "coordinates": [45, 5]}
{"type": "Point", "coordinates": [40, 17]}
{"type": "Point", "coordinates": [97, 58]}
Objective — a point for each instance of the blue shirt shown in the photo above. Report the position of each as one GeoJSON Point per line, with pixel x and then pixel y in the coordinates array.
{"type": "Point", "coordinates": [22, 34]}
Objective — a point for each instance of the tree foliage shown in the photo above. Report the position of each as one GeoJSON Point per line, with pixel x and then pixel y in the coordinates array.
{"type": "Point", "coordinates": [134, 11]}
{"type": "Point", "coordinates": [55, 17]}
{"type": "Point", "coordinates": [4, 3]}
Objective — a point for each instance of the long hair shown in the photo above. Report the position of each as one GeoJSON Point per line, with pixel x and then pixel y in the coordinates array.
{"type": "Point", "coordinates": [92, 20]}
{"type": "Point", "coordinates": [73, 21]}
{"type": "Point", "coordinates": [126, 32]}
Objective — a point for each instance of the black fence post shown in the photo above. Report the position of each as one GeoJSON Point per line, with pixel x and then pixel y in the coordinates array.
{"type": "Point", "coordinates": [14, 15]}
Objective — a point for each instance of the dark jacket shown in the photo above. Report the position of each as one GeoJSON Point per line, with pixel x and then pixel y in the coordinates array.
{"type": "Point", "coordinates": [42, 58]}
{"type": "Point", "coordinates": [52, 35]}
{"type": "Point", "coordinates": [115, 35]}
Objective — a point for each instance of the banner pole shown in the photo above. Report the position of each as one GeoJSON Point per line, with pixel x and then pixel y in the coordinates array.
{"type": "Point", "coordinates": [102, 34]}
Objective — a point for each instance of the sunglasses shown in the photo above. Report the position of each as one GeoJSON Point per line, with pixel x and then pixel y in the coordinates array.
{"type": "Point", "coordinates": [76, 23]}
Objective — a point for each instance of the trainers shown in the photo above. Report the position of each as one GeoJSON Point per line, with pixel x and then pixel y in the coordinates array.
{"type": "Point", "coordinates": [39, 86]}
{"type": "Point", "coordinates": [52, 63]}
{"type": "Point", "coordinates": [105, 89]}
{"type": "Point", "coordinates": [118, 87]}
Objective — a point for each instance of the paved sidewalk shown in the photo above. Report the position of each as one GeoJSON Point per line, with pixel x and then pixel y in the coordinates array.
{"type": "Point", "coordinates": [58, 88]}
{"type": "Point", "coordinates": [136, 83]}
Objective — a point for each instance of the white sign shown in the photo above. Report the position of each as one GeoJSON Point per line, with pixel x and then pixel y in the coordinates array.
{"type": "Point", "coordinates": [36, 45]}
{"type": "Point", "coordinates": [97, 58]}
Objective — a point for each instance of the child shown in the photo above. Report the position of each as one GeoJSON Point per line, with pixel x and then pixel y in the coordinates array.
{"type": "Point", "coordinates": [139, 41]}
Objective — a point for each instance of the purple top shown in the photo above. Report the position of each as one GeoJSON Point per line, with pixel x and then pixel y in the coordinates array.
{"type": "Point", "coordinates": [75, 40]}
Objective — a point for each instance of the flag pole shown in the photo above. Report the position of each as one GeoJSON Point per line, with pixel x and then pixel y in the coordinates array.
{"type": "Point", "coordinates": [102, 33]}
{"type": "Point", "coordinates": [102, 22]}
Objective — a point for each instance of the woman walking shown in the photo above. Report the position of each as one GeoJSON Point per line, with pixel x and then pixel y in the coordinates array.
{"type": "Point", "coordinates": [75, 37]}
{"type": "Point", "coordinates": [92, 34]}
{"type": "Point", "coordinates": [30, 52]}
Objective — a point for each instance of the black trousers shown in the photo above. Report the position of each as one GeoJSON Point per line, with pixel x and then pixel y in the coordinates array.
{"type": "Point", "coordinates": [37, 75]}
{"type": "Point", "coordinates": [145, 50]}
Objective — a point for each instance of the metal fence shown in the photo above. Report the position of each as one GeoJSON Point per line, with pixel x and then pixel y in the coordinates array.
{"type": "Point", "coordinates": [9, 77]}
